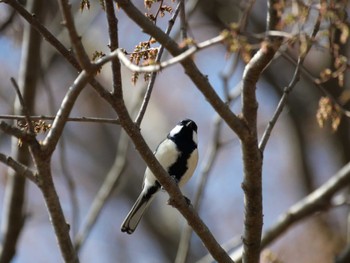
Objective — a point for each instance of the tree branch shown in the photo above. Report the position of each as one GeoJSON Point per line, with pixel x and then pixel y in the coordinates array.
{"type": "Point", "coordinates": [13, 214]}
{"type": "Point", "coordinates": [50, 38]}
{"type": "Point", "coordinates": [252, 157]}
{"type": "Point", "coordinates": [200, 80]}
{"type": "Point", "coordinates": [289, 88]}
{"type": "Point", "coordinates": [20, 169]}
{"type": "Point", "coordinates": [71, 119]}
{"type": "Point", "coordinates": [153, 76]}
{"type": "Point", "coordinates": [50, 142]}
{"type": "Point", "coordinates": [160, 66]}
{"type": "Point", "coordinates": [114, 44]}
{"type": "Point", "coordinates": [78, 47]}
{"type": "Point", "coordinates": [24, 108]}
{"type": "Point", "coordinates": [318, 200]}
{"type": "Point", "coordinates": [17, 132]}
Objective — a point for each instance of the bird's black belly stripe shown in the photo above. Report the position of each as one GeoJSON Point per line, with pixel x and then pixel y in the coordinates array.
{"type": "Point", "coordinates": [152, 190]}
{"type": "Point", "coordinates": [179, 168]}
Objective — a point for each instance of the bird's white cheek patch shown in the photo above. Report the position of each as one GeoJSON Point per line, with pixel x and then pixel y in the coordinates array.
{"type": "Point", "coordinates": [175, 130]}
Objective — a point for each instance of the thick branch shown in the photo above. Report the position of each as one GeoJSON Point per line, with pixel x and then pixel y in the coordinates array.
{"type": "Point", "coordinates": [252, 157]}
{"type": "Point", "coordinates": [57, 219]}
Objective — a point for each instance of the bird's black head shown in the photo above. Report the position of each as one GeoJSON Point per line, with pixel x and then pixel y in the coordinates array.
{"type": "Point", "coordinates": [189, 124]}
{"type": "Point", "coordinates": [184, 132]}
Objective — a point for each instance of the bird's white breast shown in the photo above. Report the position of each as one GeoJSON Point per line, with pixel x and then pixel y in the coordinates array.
{"type": "Point", "coordinates": [166, 154]}
{"type": "Point", "coordinates": [191, 166]}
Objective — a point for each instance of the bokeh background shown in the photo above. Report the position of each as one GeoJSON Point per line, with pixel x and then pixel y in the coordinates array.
{"type": "Point", "coordinates": [299, 157]}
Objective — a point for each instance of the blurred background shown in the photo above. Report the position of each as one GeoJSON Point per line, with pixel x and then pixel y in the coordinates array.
{"type": "Point", "coordinates": [299, 157]}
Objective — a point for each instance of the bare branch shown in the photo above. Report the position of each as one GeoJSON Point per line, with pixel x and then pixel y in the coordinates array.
{"type": "Point", "coordinates": [184, 25]}
{"type": "Point", "coordinates": [160, 66]}
{"type": "Point", "coordinates": [114, 174]}
{"type": "Point", "coordinates": [114, 44]}
{"type": "Point", "coordinates": [318, 200]}
{"type": "Point", "coordinates": [49, 37]}
{"type": "Point", "coordinates": [252, 157]}
{"type": "Point", "coordinates": [20, 169]}
{"type": "Point", "coordinates": [24, 108]}
{"type": "Point", "coordinates": [17, 132]}
{"type": "Point", "coordinates": [289, 88]}
{"type": "Point", "coordinates": [44, 32]}
{"type": "Point", "coordinates": [280, 106]}
{"type": "Point", "coordinates": [13, 214]}
{"type": "Point", "coordinates": [154, 74]}
{"type": "Point", "coordinates": [307, 74]}
{"type": "Point", "coordinates": [78, 47]}
{"type": "Point", "coordinates": [71, 119]}
{"type": "Point", "coordinates": [51, 140]}
{"type": "Point", "coordinates": [200, 80]}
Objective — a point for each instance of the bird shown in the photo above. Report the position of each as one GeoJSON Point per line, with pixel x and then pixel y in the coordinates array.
{"type": "Point", "coordinates": [178, 154]}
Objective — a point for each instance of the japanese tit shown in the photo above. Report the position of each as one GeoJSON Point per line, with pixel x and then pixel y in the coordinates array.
{"type": "Point", "coordinates": [178, 155]}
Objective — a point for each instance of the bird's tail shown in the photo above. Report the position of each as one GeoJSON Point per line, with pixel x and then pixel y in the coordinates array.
{"type": "Point", "coordinates": [133, 218]}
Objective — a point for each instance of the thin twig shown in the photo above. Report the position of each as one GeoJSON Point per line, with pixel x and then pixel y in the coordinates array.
{"type": "Point", "coordinates": [243, 23]}
{"type": "Point", "coordinates": [24, 108]}
{"type": "Point", "coordinates": [78, 47]}
{"type": "Point", "coordinates": [13, 212]}
{"type": "Point", "coordinates": [50, 38]}
{"type": "Point", "coordinates": [114, 44]}
{"type": "Point", "coordinates": [307, 74]}
{"type": "Point", "coordinates": [280, 106]}
{"type": "Point", "coordinates": [71, 119]}
{"type": "Point", "coordinates": [200, 80]}
{"type": "Point", "coordinates": [20, 169]}
{"type": "Point", "coordinates": [289, 88]}
{"type": "Point", "coordinates": [51, 140]}
{"type": "Point", "coordinates": [152, 79]}
{"type": "Point", "coordinates": [160, 66]}
{"type": "Point", "coordinates": [183, 20]}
